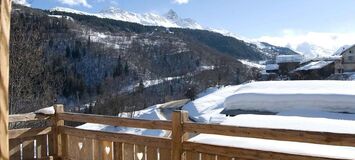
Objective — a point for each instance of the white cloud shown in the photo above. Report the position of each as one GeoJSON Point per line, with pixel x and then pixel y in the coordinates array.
{"type": "Point", "coordinates": [181, 1]}
{"type": "Point", "coordinates": [311, 43]}
{"type": "Point", "coordinates": [22, 2]}
{"type": "Point", "coordinates": [76, 2]}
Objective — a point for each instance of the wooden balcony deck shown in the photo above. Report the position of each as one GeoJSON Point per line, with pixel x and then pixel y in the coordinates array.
{"type": "Point", "coordinates": [58, 141]}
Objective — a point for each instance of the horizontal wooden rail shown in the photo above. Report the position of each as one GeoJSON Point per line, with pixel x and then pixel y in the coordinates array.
{"type": "Point", "coordinates": [244, 153]}
{"type": "Point", "coordinates": [27, 117]}
{"type": "Point", "coordinates": [115, 121]}
{"type": "Point", "coordinates": [118, 137]}
{"type": "Point", "coordinates": [274, 134]}
{"type": "Point", "coordinates": [28, 132]}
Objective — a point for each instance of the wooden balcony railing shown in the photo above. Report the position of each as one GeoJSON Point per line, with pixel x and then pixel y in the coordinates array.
{"type": "Point", "coordinates": [58, 141]}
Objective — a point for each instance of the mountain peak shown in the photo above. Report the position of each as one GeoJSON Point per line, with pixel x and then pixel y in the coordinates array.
{"type": "Point", "coordinates": [112, 10]}
{"type": "Point", "coordinates": [172, 15]}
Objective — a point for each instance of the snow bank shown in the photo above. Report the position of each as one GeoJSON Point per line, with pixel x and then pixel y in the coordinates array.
{"type": "Point", "coordinates": [285, 122]}
{"type": "Point", "coordinates": [150, 113]}
{"type": "Point", "coordinates": [208, 106]}
{"type": "Point", "coordinates": [278, 96]}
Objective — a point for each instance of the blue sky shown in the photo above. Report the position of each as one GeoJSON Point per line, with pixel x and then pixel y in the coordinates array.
{"type": "Point", "coordinates": [249, 18]}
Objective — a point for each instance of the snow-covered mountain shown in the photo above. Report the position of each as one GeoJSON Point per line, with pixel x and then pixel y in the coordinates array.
{"type": "Point", "coordinates": [172, 20]}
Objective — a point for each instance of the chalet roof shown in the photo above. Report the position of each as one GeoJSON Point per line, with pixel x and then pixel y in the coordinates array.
{"type": "Point", "coordinates": [271, 67]}
{"type": "Point", "coordinates": [342, 50]}
{"type": "Point", "coordinates": [288, 58]}
{"type": "Point", "coordinates": [313, 65]}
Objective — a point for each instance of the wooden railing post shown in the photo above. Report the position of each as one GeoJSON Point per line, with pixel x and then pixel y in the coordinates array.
{"type": "Point", "coordinates": [178, 135]}
{"type": "Point", "coordinates": [58, 138]}
{"type": "Point", "coordinates": [5, 12]}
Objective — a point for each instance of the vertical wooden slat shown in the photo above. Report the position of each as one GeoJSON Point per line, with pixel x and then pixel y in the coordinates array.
{"type": "Point", "coordinates": [223, 158]}
{"type": "Point", "coordinates": [164, 153]}
{"type": "Point", "coordinates": [192, 155]}
{"type": "Point", "coordinates": [41, 146]}
{"type": "Point", "coordinates": [128, 151]}
{"type": "Point", "coordinates": [5, 9]}
{"type": "Point", "coordinates": [96, 147]}
{"type": "Point", "coordinates": [106, 149]}
{"type": "Point", "coordinates": [206, 156]}
{"type": "Point", "coordinates": [139, 152]}
{"type": "Point", "coordinates": [74, 150]}
{"type": "Point", "coordinates": [118, 151]}
{"type": "Point", "coordinates": [28, 149]}
{"type": "Point", "coordinates": [152, 153]}
{"type": "Point", "coordinates": [178, 135]}
{"type": "Point", "coordinates": [50, 144]}
{"type": "Point", "coordinates": [15, 149]}
{"type": "Point", "coordinates": [87, 149]}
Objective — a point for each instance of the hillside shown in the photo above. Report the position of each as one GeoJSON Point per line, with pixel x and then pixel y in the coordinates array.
{"type": "Point", "coordinates": [76, 59]}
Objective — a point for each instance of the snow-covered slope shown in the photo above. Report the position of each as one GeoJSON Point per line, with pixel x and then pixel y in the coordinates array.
{"type": "Point", "coordinates": [172, 20]}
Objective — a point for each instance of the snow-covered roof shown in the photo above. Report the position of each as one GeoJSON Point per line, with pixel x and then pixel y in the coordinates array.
{"type": "Point", "coordinates": [271, 67]}
{"type": "Point", "coordinates": [285, 122]}
{"type": "Point", "coordinates": [277, 96]}
{"type": "Point", "coordinates": [343, 49]}
{"type": "Point", "coordinates": [288, 58]}
{"type": "Point", "coordinates": [314, 65]}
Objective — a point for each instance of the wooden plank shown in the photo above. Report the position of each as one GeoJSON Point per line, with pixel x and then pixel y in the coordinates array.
{"type": "Point", "coordinates": [5, 10]}
{"type": "Point", "coordinates": [178, 135]}
{"type": "Point", "coordinates": [152, 153]}
{"type": "Point", "coordinates": [206, 156]}
{"type": "Point", "coordinates": [274, 134]}
{"type": "Point", "coordinates": [58, 143]}
{"type": "Point", "coordinates": [115, 121]}
{"type": "Point", "coordinates": [164, 153]}
{"type": "Point", "coordinates": [118, 137]}
{"type": "Point", "coordinates": [74, 148]}
{"type": "Point", "coordinates": [128, 151]}
{"type": "Point", "coordinates": [50, 144]}
{"type": "Point", "coordinates": [106, 150]}
{"type": "Point", "coordinates": [118, 151]}
{"type": "Point", "coordinates": [41, 146]}
{"type": "Point", "coordinates": [224, 158]}
{"type": "Point", "coordinates": [192, 155]}
{"type": "Point", "coordinates": [28, 149]}
{"type": "Point", "coordinates": [139, 152]}
{"type": "Point", "coordinates": [15, 149]}
{"type": "Point", "coordinates": [244, 153]}
{"type": "Point", "coordinates": [27, 117]}
{"type": "Point", "coordinates": [29, 132]}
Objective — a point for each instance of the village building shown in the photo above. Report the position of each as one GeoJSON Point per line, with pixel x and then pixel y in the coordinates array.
{"type": "Point", "coordinates": [288, 63]}
{"type": "Point", "coordinates": [347, 63]}
{"type": "Point", "coordinates": [313, 70]}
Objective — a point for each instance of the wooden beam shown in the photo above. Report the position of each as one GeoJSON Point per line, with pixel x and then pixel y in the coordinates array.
{"type": "Point", "coordinates": [27, 117]}
{"type": "Point", "coordinates": [340, 139]}
{"type": "Point", "coordinates": [115, 121]}
{"type": "Point", "coordinates": [29, 132]}
{"type": "Point", "coordinates": [118, 137]}
{"type": "Point", "coordinates": [5, 12]}
{"type": "Point", "coordinates": [240, 153]}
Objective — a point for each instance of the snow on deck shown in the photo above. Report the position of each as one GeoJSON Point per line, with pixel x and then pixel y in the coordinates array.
{"type": "Point", "coordinates": [151, 113]}
{"type": "Point", "coordinates": [278, 96]}
{"type": "Point", "coordinates": [285, 122]}
{"type": "Point", "coordinates": [314, 65]}
{"type": "Point", "coordinates": [207, 107]}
